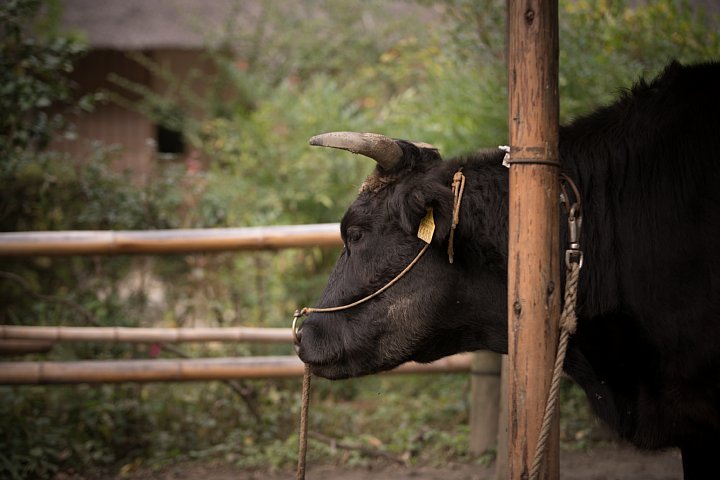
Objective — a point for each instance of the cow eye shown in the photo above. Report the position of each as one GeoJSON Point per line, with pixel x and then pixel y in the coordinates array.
{"type": "Point", "coordinates": [354, 235]}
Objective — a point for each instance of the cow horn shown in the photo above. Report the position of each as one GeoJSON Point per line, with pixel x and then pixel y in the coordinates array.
{"type": "Point", "coordinates": [384, 150]}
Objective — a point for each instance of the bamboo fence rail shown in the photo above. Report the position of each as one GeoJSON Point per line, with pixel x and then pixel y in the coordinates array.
{"type": "Point", "coordinates": [25, 339]}
{"type": "Point", "coordinates": [15, 346]}
{"type": "Point", "coordinates": [168, 241]}
{"type": "Point", "coordinates": [165, 370]}
{"type": "Point", "coordinates": [146, 335]}
{"type": "Point", "coordinates": [199, 369]}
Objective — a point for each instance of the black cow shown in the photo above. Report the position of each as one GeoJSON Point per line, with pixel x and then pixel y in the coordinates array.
{"type": "Point", "coordinates": [647, 347]}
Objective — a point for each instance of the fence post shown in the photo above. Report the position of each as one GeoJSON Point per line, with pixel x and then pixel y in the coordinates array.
{"type": "Point", "coordinates": [485, 401]}
{"type": "Point", "coordinates": [501, 459]}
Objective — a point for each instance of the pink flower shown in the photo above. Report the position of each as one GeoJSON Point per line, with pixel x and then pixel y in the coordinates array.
{"type": "Point", "coordinates": [155, 350]}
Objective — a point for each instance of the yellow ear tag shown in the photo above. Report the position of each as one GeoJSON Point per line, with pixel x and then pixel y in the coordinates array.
{"type": "Point", "coordinates": [427, 227]}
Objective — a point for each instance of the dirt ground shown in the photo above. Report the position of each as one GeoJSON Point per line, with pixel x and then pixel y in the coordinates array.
{"type": "Point", "coordinates": [606, 463]}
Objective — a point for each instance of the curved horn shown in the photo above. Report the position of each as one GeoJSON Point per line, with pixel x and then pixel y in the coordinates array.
{"type": "Point", "coordinates": [384, 150]}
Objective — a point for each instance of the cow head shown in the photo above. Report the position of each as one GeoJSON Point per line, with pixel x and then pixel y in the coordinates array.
{"type": "Point", "coordinates": [438, 308]}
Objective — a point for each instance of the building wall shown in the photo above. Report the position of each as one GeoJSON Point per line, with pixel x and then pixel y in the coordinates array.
{"type": "Point", "coordinates": [114, 123]}
{"type": "Point", "coordinates": [109, 123]}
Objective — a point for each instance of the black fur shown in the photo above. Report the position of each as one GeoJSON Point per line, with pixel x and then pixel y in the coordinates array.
{"type": "Point", "coordinates": [647, 349]}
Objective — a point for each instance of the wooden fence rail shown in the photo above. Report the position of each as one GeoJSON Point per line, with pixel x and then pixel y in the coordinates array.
{"type": "Point", "coordinates": [21, 339]}
{"type": "Point", "coordinates": [168, 241]}
{"type": "Point", "coordinates": [146, 335]}
{"type": "Point", "coordinates": [116, 371]}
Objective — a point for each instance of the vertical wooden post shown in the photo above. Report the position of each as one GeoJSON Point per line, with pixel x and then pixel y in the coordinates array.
{"type": "Point", "coordinates": [485, 398]}
{"type": "Point", "coordinates": [501, 461]}
{"type": "Point", "coordinates": [534, 257]}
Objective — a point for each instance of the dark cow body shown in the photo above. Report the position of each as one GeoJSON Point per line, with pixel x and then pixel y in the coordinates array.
{"type": "Point", "coordinates": [647, 348]}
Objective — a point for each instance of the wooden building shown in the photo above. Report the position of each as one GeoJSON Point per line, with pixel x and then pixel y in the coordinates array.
{"type": "Point", "coordinates": [173, 34]}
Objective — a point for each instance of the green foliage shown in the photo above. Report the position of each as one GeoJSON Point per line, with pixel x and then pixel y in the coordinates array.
{"type": "Point", "coordinates": [579, 429]}
{"type": "Point", "coordinates": [429, 416]}
{"type": "Point", "coordinates": [32, 68]}
{"type": "Point", "coordinates": [62, 194]}
{"type": "Point", "coordinates": [295, 74]}
{"type": "Point", "coordinates": [606, 46]}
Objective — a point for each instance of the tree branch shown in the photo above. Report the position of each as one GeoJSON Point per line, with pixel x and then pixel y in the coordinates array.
{"type": "Point", "coordinates": [367, 451]}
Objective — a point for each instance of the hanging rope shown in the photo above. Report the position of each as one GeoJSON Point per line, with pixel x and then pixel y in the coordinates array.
{"type": "Point", "coordinates": [302, 440]}
{"type": "Point", "coordinates": [568, 319]}
{"type": "Point", "coordinates": [568, 323]}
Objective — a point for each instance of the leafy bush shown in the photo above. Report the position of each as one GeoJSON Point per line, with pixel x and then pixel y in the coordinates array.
{"type": "Point", "coordinates": [31, 77]}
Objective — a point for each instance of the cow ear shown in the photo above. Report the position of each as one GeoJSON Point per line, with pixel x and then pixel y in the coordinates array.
{"type": "Point", "coordinates": [415, 205]}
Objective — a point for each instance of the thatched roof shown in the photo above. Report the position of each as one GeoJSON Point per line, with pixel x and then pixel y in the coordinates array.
{"type": "Point", "coordinates": [193, 24]}
{"type": "Point", "coordinates": [154, 24]}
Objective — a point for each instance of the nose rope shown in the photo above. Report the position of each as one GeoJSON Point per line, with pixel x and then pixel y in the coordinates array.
{"type": "Point", "coordinates": [307, 310]}
{"type": "Point", "coordinates": [305, 405]}
{"type": "Point", "coordinates": [458, 188]}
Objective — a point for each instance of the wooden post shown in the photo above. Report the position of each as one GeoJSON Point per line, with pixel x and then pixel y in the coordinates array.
{"type": "Point", "coordinates": [501, 460]}
{"type": "Point", "coordinates": [534, 257]}
{"type": "Point", "coordinates": [485, 395]}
